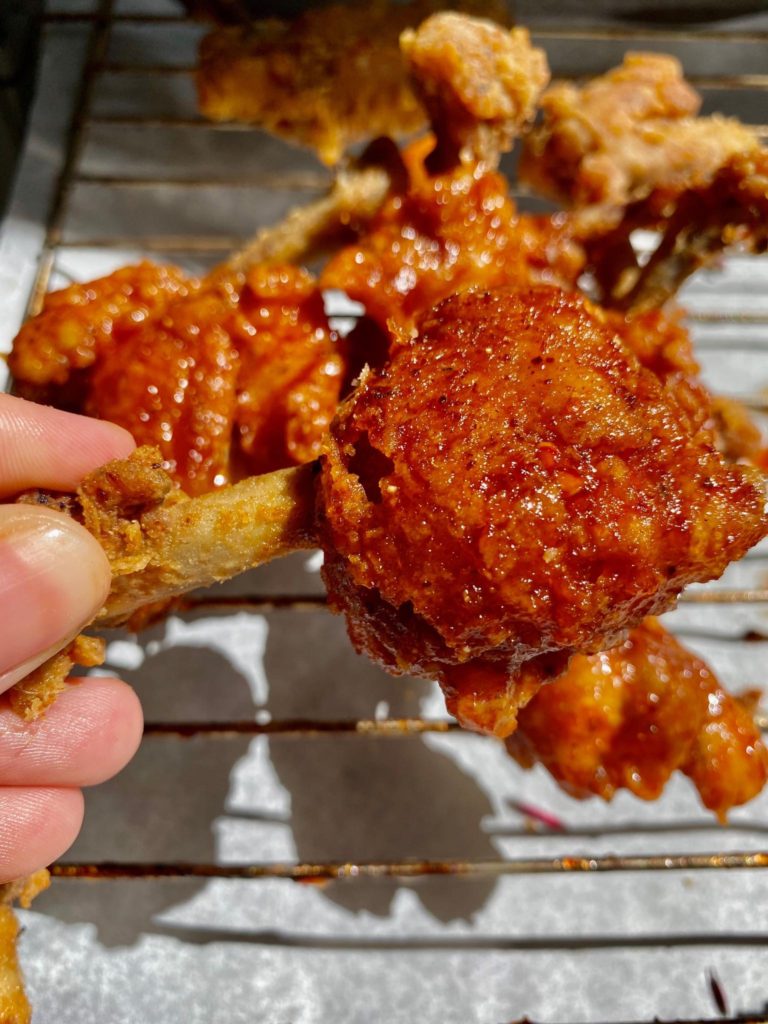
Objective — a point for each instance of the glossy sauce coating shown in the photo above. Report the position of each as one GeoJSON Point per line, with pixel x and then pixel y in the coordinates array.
{"type": "Point", "coordinates": [78, 321]}
{"type": "Point", "coordinates": [240, 375]}
{"type": "Point", "coordinates": [290, 369]}
{"type": "Point", "coordinates": [446, 233]}
{"type": "Point", "coordinates": [171, 383]}
{"type": "Point", "coordinates": [630, 717]}
{"type": "Point", "coordinates": [515, 484]}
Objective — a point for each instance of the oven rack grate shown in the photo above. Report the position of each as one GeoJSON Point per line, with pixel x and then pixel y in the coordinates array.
{"type": "Point", "coordinates": [97, 64]}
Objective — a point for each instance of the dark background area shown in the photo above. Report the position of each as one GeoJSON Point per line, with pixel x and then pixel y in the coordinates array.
{"type": "Point", "coordinates": [19, 33]}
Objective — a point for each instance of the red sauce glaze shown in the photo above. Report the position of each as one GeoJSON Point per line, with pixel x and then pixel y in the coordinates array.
{"type": "Point", "coordinates": [77, 322]}
{"type": "Point", "coordinates": [171, 383]}
{"type": "Point", "coordinates": [514, 484]}
{"type": "Point", "coordinates": [240, 375]}
{"type": "Point", "coordinates": [630, 717]}
{"type": "Point", "coordinates": [291, 369]}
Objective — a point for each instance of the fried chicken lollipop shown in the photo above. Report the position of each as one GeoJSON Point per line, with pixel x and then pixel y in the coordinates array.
{"type": "Point", "coordinates": [451, 224]}
{"type": "Point", "coordinates": [514, 487]}
{"type": "Point", "coordinates": [629, 717]}
{"type": "Point", "coordinates": [627, 151]}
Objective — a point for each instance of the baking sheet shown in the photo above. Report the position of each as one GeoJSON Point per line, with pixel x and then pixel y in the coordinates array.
{"type": "Point", "coordinates": [570, 948]}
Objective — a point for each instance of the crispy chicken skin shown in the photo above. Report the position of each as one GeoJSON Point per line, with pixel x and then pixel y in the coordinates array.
{"type": "Point", "coordinates": [698, 225]}
{"type": "Point", "coordinates": [241, 375]}
{"type": "Point", "coordinates": [630, 717]}
{"type": "Point", "coordinates": [486, 463]}
{"type": "Point", "coordinates": [333, 76]}
{"type": "Point", "coordinates": [627, 151]}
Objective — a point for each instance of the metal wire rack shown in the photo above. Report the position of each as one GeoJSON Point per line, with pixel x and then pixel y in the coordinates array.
{"type": "Point", "coordinates": [87, 118]}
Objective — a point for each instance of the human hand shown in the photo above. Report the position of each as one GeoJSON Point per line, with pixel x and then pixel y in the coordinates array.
{"type": "Point", "coordinates": [54, 577]}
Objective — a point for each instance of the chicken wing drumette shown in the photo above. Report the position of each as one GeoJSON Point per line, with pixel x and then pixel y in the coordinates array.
{"type": "Point", "coordinates": [513, 487]}
{"type": "Point", "coordinates": [629, 717]}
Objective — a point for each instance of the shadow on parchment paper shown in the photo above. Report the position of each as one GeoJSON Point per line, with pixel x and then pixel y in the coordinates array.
{"type": "Point", "coordinates": [351, 797]}
{"type": "Point", "coordinates": [361, 799]}
{"type": "Point", "coordinates": [163, 805]}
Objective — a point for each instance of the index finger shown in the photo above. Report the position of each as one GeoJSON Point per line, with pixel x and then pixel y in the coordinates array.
{"type": "Point", "coordinates": [44, 447]}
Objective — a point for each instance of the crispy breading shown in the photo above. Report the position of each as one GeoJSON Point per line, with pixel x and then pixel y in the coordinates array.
{"type": "Point", "coordinates": [14, 1005]}
{"type": "Point", "coordinates": [160, 542]}
{"type": "Point", "coordinates": [627, 133]}
{"type": "Point", "coordinates": [479, 82]}
{"type": "Point", "coordinates": [37, 691]}
{"type": "Point", "coordinates": [630, 717]}
{"type": "Point", "coordinates": [628, 152]}
{"type": "Point", "coordinates": [698, 226]}
{"type": "Point", "coordinates": [332, 76]}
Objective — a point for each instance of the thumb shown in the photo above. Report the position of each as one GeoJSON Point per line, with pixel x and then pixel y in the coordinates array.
{"type": "Point", "coordinates": [54, 577]}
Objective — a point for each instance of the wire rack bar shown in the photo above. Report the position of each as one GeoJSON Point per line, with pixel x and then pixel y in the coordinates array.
{"type": "Point", "coordinates": [159, 243]}
{"type": "Point", "coordinates": [299, 181]}
{"type": "Point", "coordinates": [332, 871]}
{"type": "Point", "coordinates": [741, 81]}
{"type": "Point", "coordinates": [385, 728]}
{"type": "Point", "coordinates": [305, 728]}
{"type": "Point", "coordinates": [192, 121]}
{"type": "Point", "coordinates": [58, 17]}
{"type": "Point", "coordinates": [585, 32]}
{"type": "Point", "coordinates": [95, 53]}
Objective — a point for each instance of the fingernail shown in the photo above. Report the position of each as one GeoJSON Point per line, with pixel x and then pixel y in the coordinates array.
{"type": "Point", "coordinates": [54, 577]}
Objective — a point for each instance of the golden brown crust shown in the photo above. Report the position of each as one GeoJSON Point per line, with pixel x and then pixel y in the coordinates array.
{"type": "Point", "coordinates": [460, 474]}
{"type": "Point", "coordinates": [161, 543]}
{"type": "Point", "coordinates": [24, 890]}
{"type": "Point", "coordinates": [698, 225]}
{"type": "Point", "coordinates": [627, 150]}
{"type": "Point", "coordinates": [630, 717]}
{"type": "Point", "coordinates": [14, 1005]}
